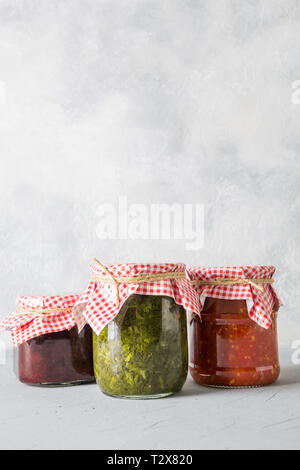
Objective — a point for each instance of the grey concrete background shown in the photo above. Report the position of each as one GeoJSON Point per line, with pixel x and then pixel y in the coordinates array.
{"type": "Point", "coordinates": [161, 101]}
{"type": "Point", "coordinates": [164, 101]}
{"type": "Point", "coordinates": [34, 418]}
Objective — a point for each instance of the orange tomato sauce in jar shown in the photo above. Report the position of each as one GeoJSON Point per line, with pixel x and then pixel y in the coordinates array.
{"type": "Point", "coordinates": [228, 349]}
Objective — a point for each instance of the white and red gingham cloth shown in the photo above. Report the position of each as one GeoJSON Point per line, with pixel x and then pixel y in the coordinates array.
{"type": "Point", "coordinates": [25, 327]}
{"type": "Point", "coordinates": [98, 305]}
{"type": "Point", "coordinates": [260, 303]}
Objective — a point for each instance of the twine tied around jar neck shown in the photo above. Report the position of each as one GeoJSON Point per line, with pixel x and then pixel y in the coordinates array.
{"type": "Point", "coordinates": [40, 312]}
{"type": "Point", "coordinates": [111, 278]}
{"type": "Point", "coordinates": [221, 281]}
{"type": "Point", "coordinates": [117, 280]}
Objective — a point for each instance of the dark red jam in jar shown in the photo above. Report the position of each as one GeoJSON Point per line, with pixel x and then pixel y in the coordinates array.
{"type": "Point", "coordinates": [63, 358]}
{"type": "Point", "coordinates": [228, 349]}
{"type": "Point", "coordinates": [48, 348]}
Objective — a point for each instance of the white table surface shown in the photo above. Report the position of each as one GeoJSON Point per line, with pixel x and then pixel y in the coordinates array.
{"type": "Point", "coordinates": [197, 418]}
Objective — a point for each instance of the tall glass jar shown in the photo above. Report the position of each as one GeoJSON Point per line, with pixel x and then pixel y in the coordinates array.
{"type": "Point", "coordinates": [143, 352]}
{"type": "Point", "coordinates": [228, 349]}
{"type": "Point", "coordinates": [56, 359]}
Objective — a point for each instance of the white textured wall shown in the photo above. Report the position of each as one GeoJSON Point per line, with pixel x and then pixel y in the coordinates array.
{"type": "Point", "coordinates": [158, 100]}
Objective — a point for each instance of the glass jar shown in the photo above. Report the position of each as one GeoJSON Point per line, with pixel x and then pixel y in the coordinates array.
{"type": "Point", "coordinates": [228, 349]}
{"type": "Point", "coordinates": [63, 358]}
{"type": "Point", "coordinates": [143, 352]}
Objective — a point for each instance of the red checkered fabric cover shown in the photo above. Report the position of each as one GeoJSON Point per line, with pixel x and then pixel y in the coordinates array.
{"type": "Point", "coordinates": [261, 303]}
{"type": "Point", "coordinates": [98, 305]}
{"type": "Point", "coordinates": [25, 327]}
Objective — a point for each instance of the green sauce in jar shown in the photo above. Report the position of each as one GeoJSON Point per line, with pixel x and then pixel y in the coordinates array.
{"type": "Point", "coordinates": [143, 352]}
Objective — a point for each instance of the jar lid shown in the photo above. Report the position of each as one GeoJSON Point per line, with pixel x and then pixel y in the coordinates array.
{"type": "Point", "coordinates": [111, 285]}
{"type": "Point", "coordinates": [36, 316]}
{"type": "Point", "coordinates": [251, 283]}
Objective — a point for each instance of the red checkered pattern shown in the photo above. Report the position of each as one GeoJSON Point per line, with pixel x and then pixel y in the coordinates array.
{"type": "Point", "coordinates": [262, 302]}
{"type": "Point", "coordinates": [98, 305]}
{"type": "Point", "coordinates": [25, 327]}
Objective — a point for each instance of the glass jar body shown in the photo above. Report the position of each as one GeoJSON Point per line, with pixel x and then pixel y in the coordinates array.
{"type": "Point", "coordinates": [228, 349]}
{"type": "Point", "coordinates": [143, 352]}
{"type": "Point", "coordinates": [56, 359]}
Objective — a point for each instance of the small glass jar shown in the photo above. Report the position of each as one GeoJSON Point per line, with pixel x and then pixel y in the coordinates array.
{"type": "Point", "coordinates": [56, 359]}
{"type": "Point", "coordinates": [143, 352]}
{"type": "Point", "coordinates": [228, 349]}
